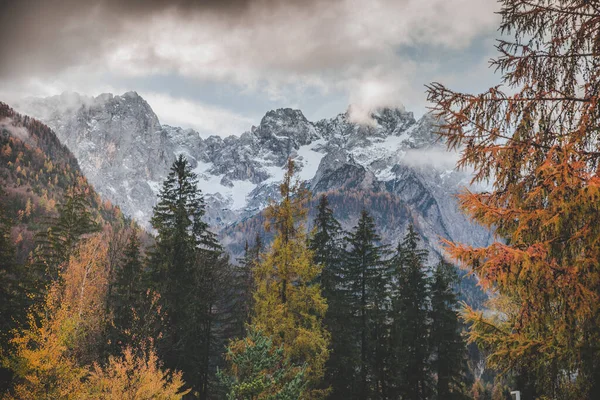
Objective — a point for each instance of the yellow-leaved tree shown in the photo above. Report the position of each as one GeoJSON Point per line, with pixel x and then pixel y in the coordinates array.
{"type": "Point", "coordinates": [289, 307]}
{"type": "Point", "coordinates": [134, 377]}
{"type": "Point", "coordinates": [56, 355]}
{"type": "Point", "coordinates": [64, 333]}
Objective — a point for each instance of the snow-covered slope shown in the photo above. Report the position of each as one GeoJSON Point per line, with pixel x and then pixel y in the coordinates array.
{"type": "Point", "coordinates": [126, 154]}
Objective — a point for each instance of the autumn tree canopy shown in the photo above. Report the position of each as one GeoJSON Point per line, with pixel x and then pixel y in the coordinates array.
{"type": "Point", "coordinates": [535, 139]}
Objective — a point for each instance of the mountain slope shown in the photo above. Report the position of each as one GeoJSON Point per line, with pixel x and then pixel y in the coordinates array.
{"type": "Point", "coordinates": [118, 141]}
{"type": "Point", "coordinates": [36, 170]}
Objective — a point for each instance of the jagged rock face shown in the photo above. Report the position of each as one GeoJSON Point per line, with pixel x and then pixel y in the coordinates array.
{"type": "Point", "coordinates": [396, 161]}
{"type": "Point", "coordinates": [118, 141]}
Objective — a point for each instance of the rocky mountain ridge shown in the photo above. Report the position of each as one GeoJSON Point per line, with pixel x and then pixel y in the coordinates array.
{"type": "Point", "coordinates": [126, 153]}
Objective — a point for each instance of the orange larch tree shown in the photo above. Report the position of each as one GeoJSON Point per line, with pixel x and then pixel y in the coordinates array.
{"type": "Point", "coordinates": [535, 140]}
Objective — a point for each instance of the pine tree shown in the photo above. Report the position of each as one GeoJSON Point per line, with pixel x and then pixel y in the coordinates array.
{"type": "Point", "coordinates": [410, 330]}
{"type": "Point", "coordinates": [56, 244]}
{"type": "Point", "coordinates": [288, 304]}
{"type": "Point", "coordinates": [326, 244]}
{"type": "Point", "coordinates": [128, 298]}
{"type": "Point", "coordinates": [242, 286]}
{"type": "Point", "coordinates": [8, 280]}
{"type": "Point", "coordinates": [13, 299]}
{"type": "Point", "coordinates": [261, 371]}
{"type": "Point", "coordinates": [186, 268]}
{"type": "Point", "coordinates": [446, 342]}
{"type": "Point", "coordinates": [366, 278]}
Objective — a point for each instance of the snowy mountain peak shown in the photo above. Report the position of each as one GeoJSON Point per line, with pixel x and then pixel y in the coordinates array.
{"type": "Point", "coordinates": [393, 120]}
{"type": "Point", "coordinates": [126, 153]}
{"type": "Point", "coordinates": [285, 129]}
{"type": "Point", "coordinates": [284, 114]}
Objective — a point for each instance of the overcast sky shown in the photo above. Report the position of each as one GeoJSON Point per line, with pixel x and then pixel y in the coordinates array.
{"type": "Point", "coordinates": [219, 65]}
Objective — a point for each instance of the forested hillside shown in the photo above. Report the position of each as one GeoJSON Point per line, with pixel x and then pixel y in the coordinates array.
{"type": "Point", "coordinates": [36, 171]}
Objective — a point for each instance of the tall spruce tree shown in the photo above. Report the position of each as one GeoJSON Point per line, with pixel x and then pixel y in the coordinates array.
{"type": "Point", "coordinates": [8, 281]}
{"type": "Point", "coordinates": [127, 297]}
{"type": "Point", "coordinates": [447, 345]}
{"type": "Point", "coordinates": [410, 329]}
{"type": "Point", "coordinates": [186, 268]}
{"type": "Point", "coordinates": [242, 287]}
{"type": "Point", "coordinates": [366, 278]}
{"type": "Point", "coordinates": [55, 245]}
{"type": "Point", "coordinates": [326, 244]}
{"type": "Point", "coordinates": [288, 305]}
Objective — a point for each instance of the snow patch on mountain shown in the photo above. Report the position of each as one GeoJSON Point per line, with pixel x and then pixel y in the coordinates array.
{"type": "Point", "coordinates": [126, 154]}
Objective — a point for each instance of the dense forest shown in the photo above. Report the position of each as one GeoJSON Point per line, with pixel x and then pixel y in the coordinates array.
{"type": "Point", "coordinates": [93, 307]}
{"type": "Point", "coordinates": [97, 309]}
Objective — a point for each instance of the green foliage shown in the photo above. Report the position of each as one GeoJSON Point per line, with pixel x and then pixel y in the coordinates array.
{"type": "Point", "coordinates": [9, 285]}
{"type": "Point", "coordinates": [13, 299]}
{"type": "Point", "coordinates": [411, 326]}
{"type": "Point", "coordinates": [259, 370]}
{"type": "Point", "coordinates": [56, 244]}
{"type": "Point", "coordinates": [446, 342]}
{"type": "Point", "coordinates": [187, 268]}
{"type": "Point", "coordinates": [366, 279]}
{"type": "Point", "coordinates": [134, 308]}
{"type": "Point", "coordinates": [242, 287]}
{"type": "Point", "coordinates": [326, 244]}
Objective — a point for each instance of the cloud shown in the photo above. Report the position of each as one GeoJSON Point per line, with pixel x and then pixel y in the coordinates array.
{"type": "Point", "coordinates": [437, 157]}
{"type": "Point", "coordinates": [205, 119]}
{"type": "Point", "coordinates": [19, 132]}
{"type": "Point", "coordinates": [265, 46]}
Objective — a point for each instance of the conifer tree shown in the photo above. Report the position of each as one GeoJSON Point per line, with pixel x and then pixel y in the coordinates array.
{"type": "Point", "coordinates": [8, 280]}
{"type": "Point", "coordinates": [289, 306]}
{"type": "Point", "coordinates": [261, 371]}
{"type": "Point", "coordinates": [366, 278]}
{"type": "Point", "coordinates": [56, 244]}
{"type": "Point", "coordinates": [326, 244]}
{"type": "Point", "coordinates": [242, 286]}
{"type": "Point", "coordinates": [13, 299]}
{"type": "Point", "coordinates": [410, 330]}
{"type": "Point", "coordinates": [446, 342]}
{"type": "Point", "coordinates": [535, 144]}
{"type": "Point", "coordinates": [186, 268]}
{"type": "Point", "coordinates": [128, 297]}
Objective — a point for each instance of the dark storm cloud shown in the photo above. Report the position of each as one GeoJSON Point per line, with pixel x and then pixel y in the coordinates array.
{"type": "Point", "coordinates": [271, 48]}
{"type": "Point", "coordinates": [47, 36]}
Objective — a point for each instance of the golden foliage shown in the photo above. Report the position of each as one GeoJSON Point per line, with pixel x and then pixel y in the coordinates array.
{"type": "Point", "coordinates": [65, 332]}
{"type": "Point", "coordinates": [289, 306]}
{"type": "Point", "coordinates": [134, 377]}
{"type": "Point", "coordinates": [55, 357]}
